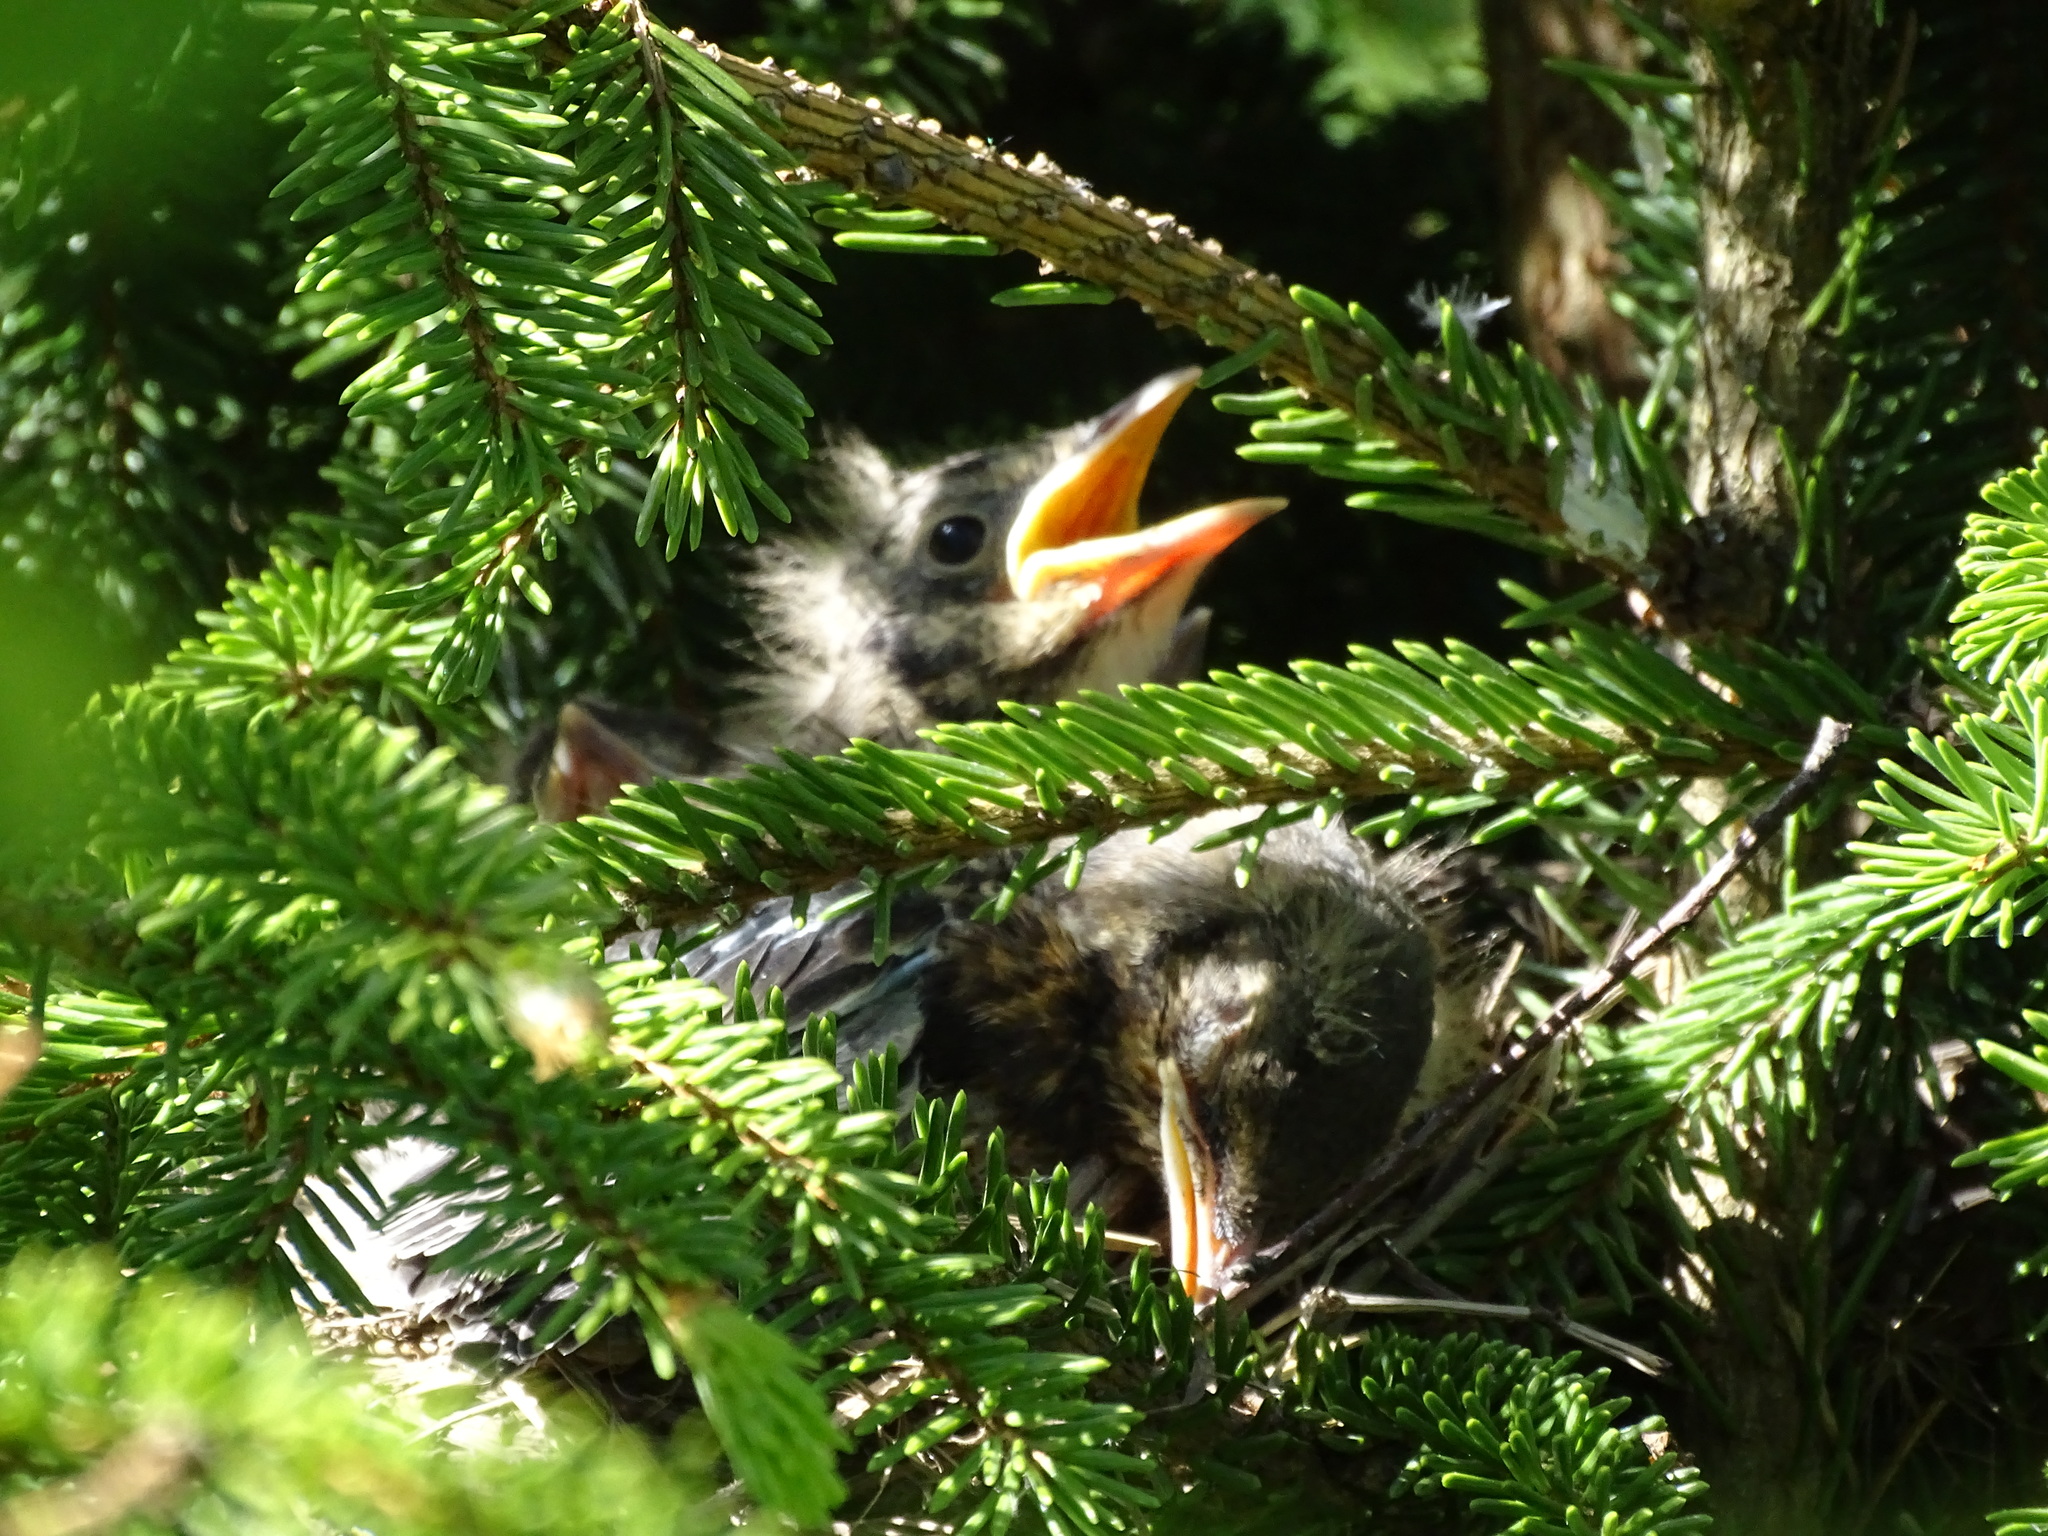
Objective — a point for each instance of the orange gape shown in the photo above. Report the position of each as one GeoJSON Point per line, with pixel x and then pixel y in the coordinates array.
{"type": "Point", "coordinates": [1079, 525]}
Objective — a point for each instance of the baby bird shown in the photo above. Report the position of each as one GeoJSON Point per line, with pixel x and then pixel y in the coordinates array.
{"type": "Point", "coordinates": [1009, 573]}
{"type": "Point", "coordinates": [1212, 1059]}
{"type": "Point", "coordinates": [1014, 573]}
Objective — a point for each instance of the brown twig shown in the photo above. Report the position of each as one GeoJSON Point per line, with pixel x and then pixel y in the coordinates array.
{"type": "Point", "coordinates": [1508, 1312]}
{"type": "Point", "coordinates": [1262, 1273]}
{"type": "Point", "coordinates": [1427, 1288]}
{"type": "Point", "coordinates": [143, 1472]}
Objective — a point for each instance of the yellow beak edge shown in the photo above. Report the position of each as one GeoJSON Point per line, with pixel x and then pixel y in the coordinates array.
{"type": "Point", "coordinates": [1079, 524]}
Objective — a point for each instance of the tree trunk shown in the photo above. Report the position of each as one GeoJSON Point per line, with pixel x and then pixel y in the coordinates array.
{"type": "Point", "coordinates": [1557, 240]}
{"type": "Point", "coordinates": [1783, 123]}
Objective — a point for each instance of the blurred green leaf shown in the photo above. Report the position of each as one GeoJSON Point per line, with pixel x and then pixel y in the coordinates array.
{"type": "Point", "coordinates": [1380, 56]}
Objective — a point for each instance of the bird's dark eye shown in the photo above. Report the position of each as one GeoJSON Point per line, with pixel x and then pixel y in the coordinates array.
{"type": "Point", "coordinates": [957, 540]}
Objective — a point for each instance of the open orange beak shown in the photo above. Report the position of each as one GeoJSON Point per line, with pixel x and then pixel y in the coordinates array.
{"type": "Point", "coordinates": [1194, 1248]}
{"type": "Point", "coordinates": [1079, 524]}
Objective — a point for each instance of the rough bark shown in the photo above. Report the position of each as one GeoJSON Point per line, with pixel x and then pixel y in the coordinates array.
{"type": "Point", "coordinates": [1557, 239]}
{"type": "Point", "coordinates": [1783, 128]}
{"type": "Point", "coordinates": [1783, 124]}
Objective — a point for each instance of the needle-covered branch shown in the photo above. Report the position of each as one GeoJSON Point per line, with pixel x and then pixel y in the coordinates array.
{"type": "Point", "coordinates": [1464, 439]}
{"type": "Point", "coordinates": [1331, 355]}
{"type": "Point", "coordinates": [1447, 733]}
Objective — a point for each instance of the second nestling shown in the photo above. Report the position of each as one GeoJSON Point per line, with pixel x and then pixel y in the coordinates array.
{"type": "Point", "coordinates": [1211, 1061]}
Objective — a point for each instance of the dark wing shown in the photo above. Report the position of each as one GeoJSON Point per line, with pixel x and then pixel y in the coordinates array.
{"type": "Point", "coordinates": [828, 965]}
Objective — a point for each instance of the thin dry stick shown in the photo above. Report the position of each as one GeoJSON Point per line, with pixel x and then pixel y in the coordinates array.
{"type": "Point", "coordinates": [1265, 1271]}
{"type": "Point", "coordinates": [22, 1047]}
{"type": "Point", "coordinates": [1646, 1361]}
{"type": "Point", "coordinates": [1394, 1246]}
{"type": "Point", "coordinates": [1508, 1312]}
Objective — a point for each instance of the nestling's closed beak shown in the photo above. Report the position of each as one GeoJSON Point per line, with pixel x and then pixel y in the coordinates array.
{"type": "Point", "coordinates": [588, 765]}
{"type": "Point", "coordinates": [1198, 1252]}
{"type": "Point", "coordinates": [1079, 523]}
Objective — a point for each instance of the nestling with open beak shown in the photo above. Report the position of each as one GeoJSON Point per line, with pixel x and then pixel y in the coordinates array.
{"type": "Point", "coordinates": [1212, 1060]}
{"type": "Point", "coordinates": [1015, 573]}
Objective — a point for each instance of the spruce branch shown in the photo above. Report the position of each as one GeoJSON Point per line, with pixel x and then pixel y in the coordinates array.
{"type": "Point", "coordinates": [957, 1346]}
{"type": "Point", "coordinates": [2021, 1157]}
{"type": "Point", "coordinates": [444, 228]}
{"type": "Point", "coordinates": [989, 1408]}
{"type": "Point", "coordinates": [2001, 620]}
{"type": "Point", "coordinates": [1515, 1436]}
{"type": "Point", "coordinates": [696, 243]}
{"type": "Point", "coordinates": [1151, 258]}
{"type": "Point", "coordinates": [678, 882]}
{"type": "Point", "coordinates": [1756, 1038]}
{"type": "Point", "coordinates": [451, 257]}
{"type": "Point", "coordinates": [415, 975]}
{"type": "Point", "coordinates": [1969, 851]}
{"type": "Point", "coordinates": [713, 1108]}
{"type": "Point", "coordinates": [819, 1164]}
{"type": "Point", "coordinates": [1448, 733]}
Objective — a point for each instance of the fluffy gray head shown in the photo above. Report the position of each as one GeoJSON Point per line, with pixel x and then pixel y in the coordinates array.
{"type": "Point", "coordinates": [896, 612]}
{"type": "Point", "coordinates": [1015, 573]}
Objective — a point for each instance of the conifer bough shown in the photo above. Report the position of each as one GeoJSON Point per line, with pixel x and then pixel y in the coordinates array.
{"type": "Point", "coordinates": [1447, 733]}
{"type": "Point", "coordinates": [1503, 440]}
{"type": "Point", "coordinates": [1152, 258]}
